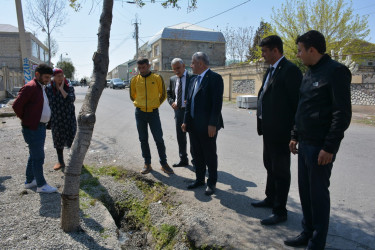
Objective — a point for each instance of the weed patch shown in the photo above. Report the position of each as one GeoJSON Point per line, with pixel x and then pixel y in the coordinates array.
{"type": "Point", "coordinates": [164, 236]}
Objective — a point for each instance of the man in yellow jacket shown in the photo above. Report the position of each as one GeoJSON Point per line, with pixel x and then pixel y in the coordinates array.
{"type": "Point", "coordinates": [148, 92]}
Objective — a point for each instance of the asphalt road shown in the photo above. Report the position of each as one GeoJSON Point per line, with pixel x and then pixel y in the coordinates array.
{"type": "Point", "coordinates": [242, 175]}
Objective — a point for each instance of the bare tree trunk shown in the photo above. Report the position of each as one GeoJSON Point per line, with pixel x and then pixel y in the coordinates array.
{"type": "Point", "coordinates": [86, 122]}
{"type": "Point", "coordinates": [49, 48]}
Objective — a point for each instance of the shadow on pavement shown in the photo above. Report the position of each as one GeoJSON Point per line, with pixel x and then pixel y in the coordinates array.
{"type": "Point", "coordinates": [236, 183]}
{"type": "Point", "coordinates": [343, 233]}
{"type": "Point", "coordinates": [50, 205]}
{"type": "Point", "coordinates": [87, 240]}
{"type": "Point", "coordinates": [2, 179]}
{"type": "Point", "coordinates": [349, 229]}
{"type": "Point", "coordinates": [182, 183]}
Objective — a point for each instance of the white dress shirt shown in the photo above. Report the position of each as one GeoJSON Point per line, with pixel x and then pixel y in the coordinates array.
{"type": "Point", "coordinates": [46, 113]}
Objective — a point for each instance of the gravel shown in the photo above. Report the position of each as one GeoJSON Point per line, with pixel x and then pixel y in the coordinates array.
{"type": "Point", "coordinates": [30, 220]}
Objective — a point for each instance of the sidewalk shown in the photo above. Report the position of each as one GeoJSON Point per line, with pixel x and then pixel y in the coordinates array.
{"type": "Point", "coordinates": [30, 220]}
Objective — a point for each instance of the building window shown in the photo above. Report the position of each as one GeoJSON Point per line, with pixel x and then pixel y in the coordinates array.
{"type": "Point", "coordinates": [45, 56]}
{"type": "Point", "coordinates": [34, 49]}
{"type": "Point", "coordinates": [156, 50]}
{"type": "Point", "coordinates": [41, 53]}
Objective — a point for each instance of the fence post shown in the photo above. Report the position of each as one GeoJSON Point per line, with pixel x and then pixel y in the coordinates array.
{"type": "Point", "coordinates": [230, 86]}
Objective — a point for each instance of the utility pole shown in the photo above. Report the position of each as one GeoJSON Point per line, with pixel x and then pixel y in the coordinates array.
{"type": "Point", "coordinates": [21, 32]}
{"type": "Point", "coordinates": [61, 58]}
{"type": "Point", "coordinates": [136, 36]}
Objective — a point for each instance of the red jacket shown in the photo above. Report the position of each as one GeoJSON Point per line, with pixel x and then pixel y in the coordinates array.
{"type": "Point", "coordinates": [28, 105]}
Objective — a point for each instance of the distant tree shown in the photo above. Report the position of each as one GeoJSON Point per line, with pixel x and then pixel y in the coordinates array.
{"type": "Point", "coordinates": [67, 67]}
{"type": "Point", "coordinates": [254, 53]}
{"type": "Point", "coordinates": [54, 47]}
{"type": "Point", "coordinates": [230, 50]}
{"type": "Point", "coordinates": [333, 18]}
{"type": "Point", "coordinates": [237, 41]}
{"type": "Point", "coordinates": [47, 15]}
{"type": "Point", "coordinates": [86, 117]}
{"type": "Point", "coordinates": [360, 50]}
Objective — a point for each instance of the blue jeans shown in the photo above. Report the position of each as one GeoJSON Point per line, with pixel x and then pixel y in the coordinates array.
{"type": "Point", "coordinates": [35, 140]}
{"type": "Point", "coordinates": [313, 183]}
{"type": "Point", "coordinates": [152, 119]}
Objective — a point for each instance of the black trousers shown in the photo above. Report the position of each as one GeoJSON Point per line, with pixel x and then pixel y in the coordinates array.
{"type": "Point", "coordinates": [276, 159]}
{"type": "Point", "coordinates": [205, 155]}
{"type": "Point", "coordinates": [313, 183]}
{"type": "Point", "coordinates": [181, 136]}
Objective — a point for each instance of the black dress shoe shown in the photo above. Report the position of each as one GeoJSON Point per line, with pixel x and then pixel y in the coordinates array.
{"type": "Point", "coordinates": [180, 164]}
{"type": "Point", "coordinates": [195, 184]}
{"type": "Point", "coordinates": [210, 190]}
{"type": "Point", "coordinates": [274, 219]}
{"type": "Point", "coordinates": [300, 240]}
{"type": "Point", "coordinates": [263, 203]}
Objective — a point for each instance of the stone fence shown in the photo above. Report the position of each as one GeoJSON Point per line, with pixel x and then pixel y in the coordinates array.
{"type": "Point", "coordinates": [247, 79]}
{"type": "Point", "coordinates": [241, 79]}
{"type": "Point", "coordinates": [363, 89]}
{"type": "Point", "coordinates": [9, 80]}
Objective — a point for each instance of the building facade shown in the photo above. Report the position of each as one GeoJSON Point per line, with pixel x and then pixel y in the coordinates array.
{"type": "Point", "coordinates": [11, 73]}
{"type": "Point", "coordinates": [10, 50]}
{"type": "Point", "coordinates": [183, 40]}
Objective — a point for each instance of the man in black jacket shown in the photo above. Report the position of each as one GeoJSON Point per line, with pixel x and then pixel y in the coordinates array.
{"type": "Point", "coordinates": [177, 94]}
{"type": "Point", "coordinates": [323, 114]}
{"type": "Point", "coordinates": [277, 105]}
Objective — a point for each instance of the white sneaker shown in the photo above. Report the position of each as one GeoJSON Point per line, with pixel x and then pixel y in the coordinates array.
{"type": "Point", "coordinates": [46, 189]}
{"type": "Point", "coordinates": [31, 184]}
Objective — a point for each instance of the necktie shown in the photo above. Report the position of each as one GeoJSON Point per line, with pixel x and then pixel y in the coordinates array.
{"type": "Point", "coordinates": [196, 87]}
{"type": "Point", "coordinates": [197, 84]}
{"type": "Point", "coordinates": [260, 99]}
{"type": "Point", "coordinates": [268, 80]}
{"type": "Point", "coordinates": [179, 94]}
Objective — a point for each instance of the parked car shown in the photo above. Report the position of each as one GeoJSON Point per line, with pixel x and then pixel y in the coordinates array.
{"type": "Point", "coordinates": [74, 83]}
{"type": "Point", "coordinates": [127, 83]}
{"type": "Point", "coordinates": [117, 83]}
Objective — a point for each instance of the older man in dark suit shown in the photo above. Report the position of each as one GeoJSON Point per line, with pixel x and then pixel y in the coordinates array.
{"type": "Point", "coordinates": [177, 94]}
{"type": "Point", "coordinates": [277, 105]}
{"type": "Point", "coordinates": [203, 119]}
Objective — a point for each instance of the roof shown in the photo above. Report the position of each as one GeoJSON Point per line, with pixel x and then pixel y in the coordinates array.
{"type": "Point", "coordinates": [187, 31]}
{"type": "Point", "coordinates": [8, 28]}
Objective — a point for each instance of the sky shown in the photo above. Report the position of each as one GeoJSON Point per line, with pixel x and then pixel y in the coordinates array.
{"type": "Point", "coordinates": [77, 39]}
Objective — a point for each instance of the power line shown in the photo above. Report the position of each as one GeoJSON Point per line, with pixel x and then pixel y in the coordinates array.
{"type": "Point", "coordinates": [120, 44]}
{"type": "Point", "coordinates": [219, 13]}
{"type": "Point", "coordinates": [365, 7]}
{"type": "Point", "coordinates": [211, 16]}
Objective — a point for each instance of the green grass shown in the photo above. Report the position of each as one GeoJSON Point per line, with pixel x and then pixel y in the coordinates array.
{"type": "Point", "coordinates": [85, 200]}
{"type": "Point", "coordinates": [369, 120]}
{"type": "Point", "coordinates": [90, 182]}
{"type": "Point", "coordinates": [164, 236]}
{"type": "Point", "coordinates": [113, 171]}
{"type": "Point", "coordinates": [103, 234]}
{"type": "Point", "coordinates": [137, 211]}
{"type": "Point", "coordinates": [137, 214]}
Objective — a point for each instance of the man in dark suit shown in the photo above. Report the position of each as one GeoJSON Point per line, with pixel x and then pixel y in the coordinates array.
{"type": "Point", "coordinates": [277, 105]}
{"type": "Point", "coordinates": [177, 93]}
{"type": "Point", "coordinates": [203, 119]}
